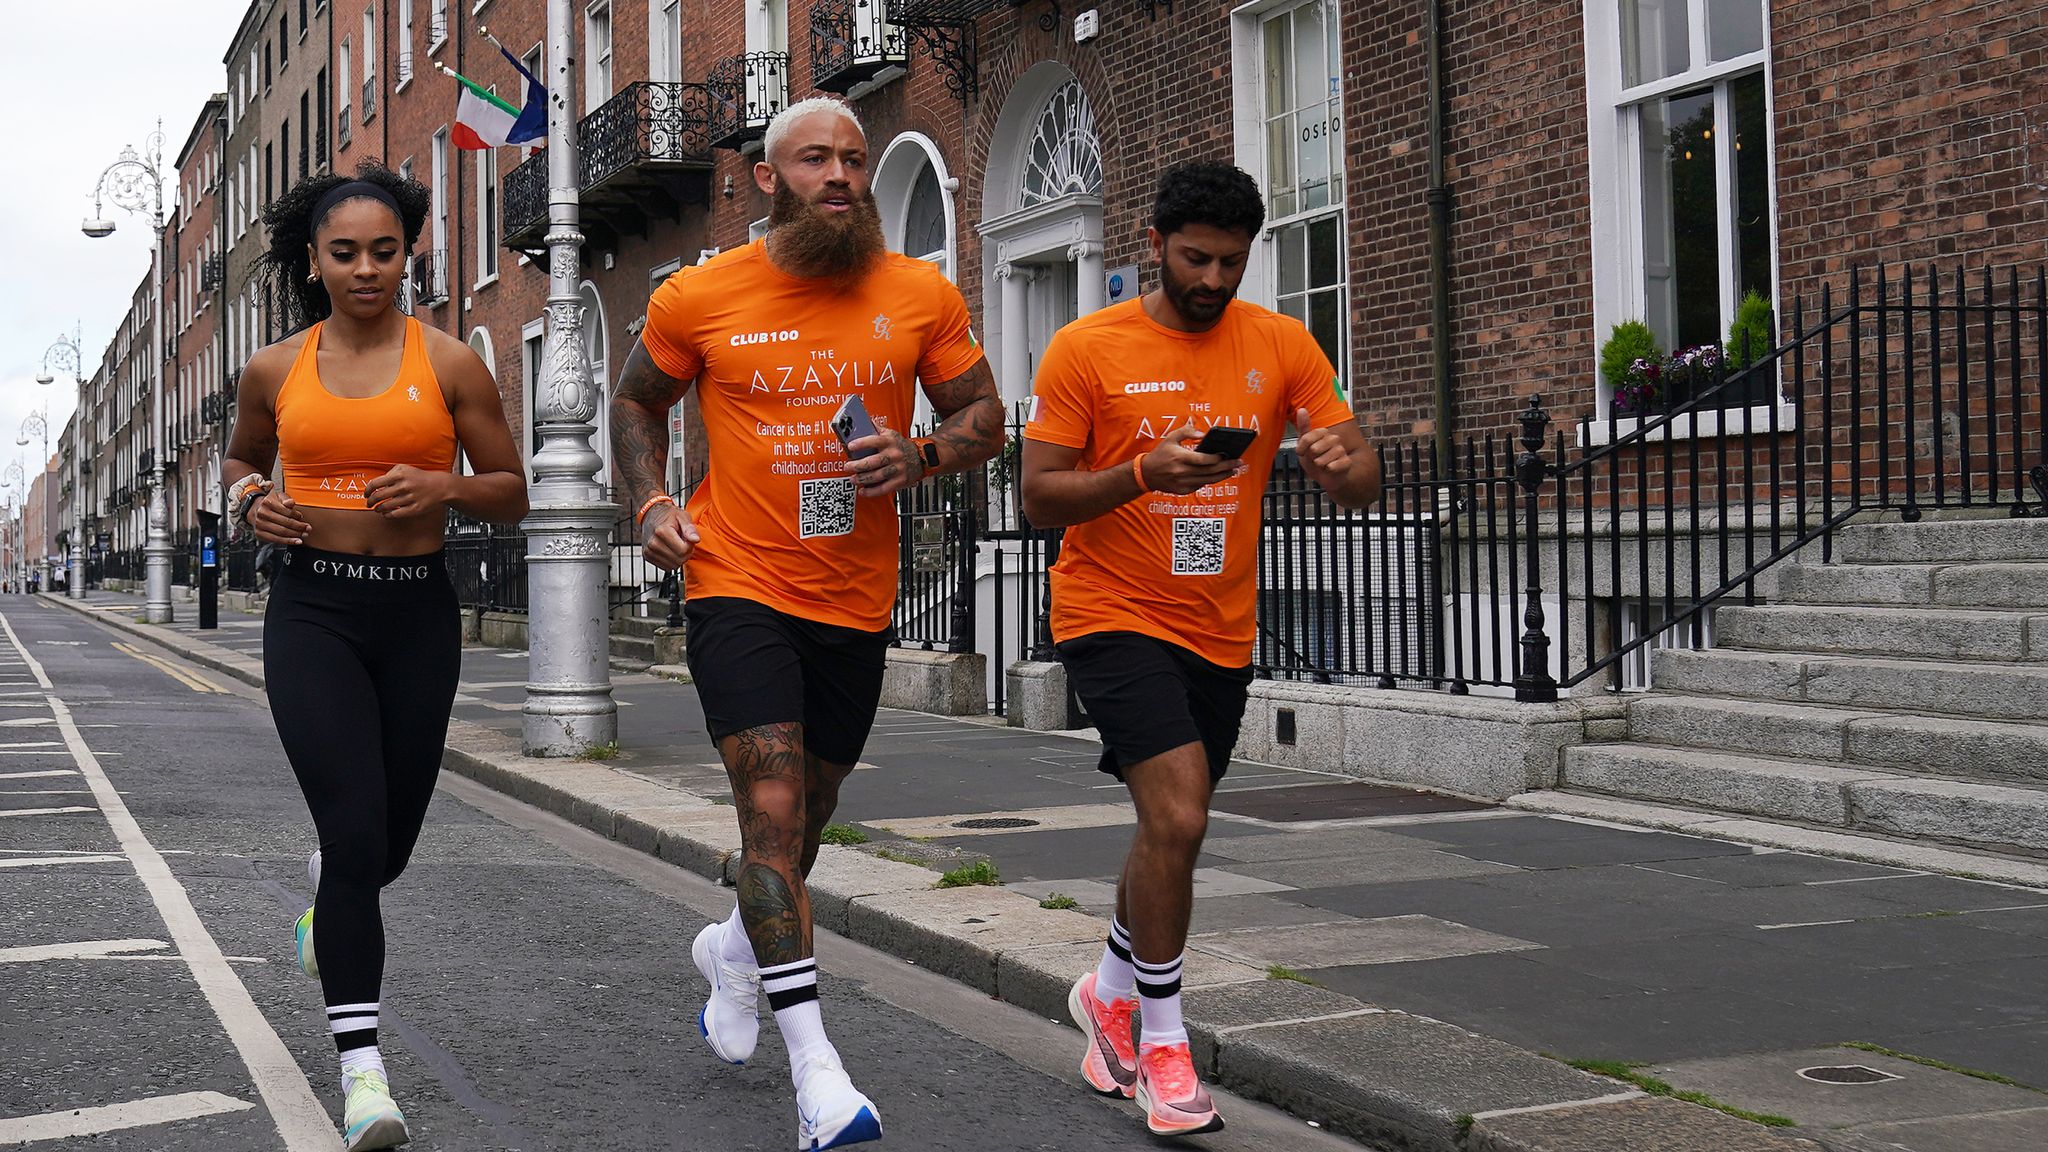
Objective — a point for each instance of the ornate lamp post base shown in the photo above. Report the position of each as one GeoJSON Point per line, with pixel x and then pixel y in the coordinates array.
{"type": "Point", "coordinates": [569, 707]}
{"type": "Point", "coordinates": [156, 555]}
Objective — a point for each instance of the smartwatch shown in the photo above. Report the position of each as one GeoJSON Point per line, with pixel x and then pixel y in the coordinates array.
{"type": "Point", "coordinates": [928, 450]}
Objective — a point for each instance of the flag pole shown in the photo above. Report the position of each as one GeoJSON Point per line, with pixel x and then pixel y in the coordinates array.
{"type": "Point", "coordinates": [569, 710]}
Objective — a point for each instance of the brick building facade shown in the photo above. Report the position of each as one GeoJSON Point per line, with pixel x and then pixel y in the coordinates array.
{"type": "Point", "coordinates": [1651, 159]}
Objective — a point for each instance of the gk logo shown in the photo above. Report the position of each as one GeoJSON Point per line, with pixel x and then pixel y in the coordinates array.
{"type": "Point", "coordinates": [1255, 382]}
{"type": "Point", "coordinates": [883, 327]}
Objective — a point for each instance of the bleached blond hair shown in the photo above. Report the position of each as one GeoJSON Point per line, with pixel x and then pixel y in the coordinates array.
{"type": "Point", "coordinates": [779, 127]}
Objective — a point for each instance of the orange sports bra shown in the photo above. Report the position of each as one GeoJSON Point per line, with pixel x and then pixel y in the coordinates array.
{"type": "Point", "coordinates": [333, 446]}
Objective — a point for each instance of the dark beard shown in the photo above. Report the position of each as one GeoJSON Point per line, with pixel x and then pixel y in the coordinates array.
{"type": "Point", "coordinates": [1182, 294]}
{"type": "Point", "coordinates": [811, 243]}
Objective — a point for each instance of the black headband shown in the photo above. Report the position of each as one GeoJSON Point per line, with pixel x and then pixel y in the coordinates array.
{"type": "Point", "coordinates": [350, 191]}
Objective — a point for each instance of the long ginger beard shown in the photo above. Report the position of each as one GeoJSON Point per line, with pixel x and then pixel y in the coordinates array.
{"type": "Point", "coordinates": [833, 246]}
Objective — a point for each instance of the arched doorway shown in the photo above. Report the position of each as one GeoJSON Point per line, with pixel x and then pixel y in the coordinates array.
{"type": "Point", "coordinates": [1041, 220]}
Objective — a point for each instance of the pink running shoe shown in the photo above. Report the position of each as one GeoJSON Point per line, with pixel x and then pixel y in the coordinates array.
{"type": "Point", "coordinates": [1110, 1065]}
{"type": "Point", "coordinates": [1172, 1096]}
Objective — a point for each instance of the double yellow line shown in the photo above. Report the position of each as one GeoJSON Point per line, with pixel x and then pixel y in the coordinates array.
{"type": "Point", "coordinates": [191, 680]}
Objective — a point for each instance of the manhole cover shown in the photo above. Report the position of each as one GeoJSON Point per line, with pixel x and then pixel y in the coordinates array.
{"type": "Point", "coordinates": [1846, 1074]}
{"type": "Point", "coordinates": [996, 822]}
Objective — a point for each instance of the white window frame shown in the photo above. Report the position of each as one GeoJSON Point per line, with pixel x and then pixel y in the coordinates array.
{"type": "Point", "coordinates": [1614, 155]}
{"type": "Point", "coordinates": [487, 222]}
{"type": "Point", "coordinates": [768, 26]}
{"type": "Point", "coordinates": [440, 174]}
{"type": "Point", "coordinates": [344, 59]}
{"type": "Point", "coordinates": [665, 40]}
{"type": "Point", "coordinates": [597, 64]}
{"type": "Point", "coordinates": [437, 8]}
{"type": "Point", "coordinates": [1249, 116]}
{"type": "Point", "coordinates": [532, 355]}
{"type": "Point", "coordinates": [405, 39]}
{"type": "Point", "coordinates": [369, 54]}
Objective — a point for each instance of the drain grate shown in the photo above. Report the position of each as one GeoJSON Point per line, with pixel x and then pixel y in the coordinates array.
{"type": "Point", "coordinates": [996, 822]}
{"type": "Point", "coordinates": [1846, 1074]}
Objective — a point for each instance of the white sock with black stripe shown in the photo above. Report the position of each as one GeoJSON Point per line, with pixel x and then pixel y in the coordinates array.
{"type": "Point", "coordinates": [1159, 1019]}
{"type": "Point", "coordinates": [1114, 976]}
{"type": "Point", "coordinates": [355, 1038]}
{"type": "Point", "coordinates": [792, 991]}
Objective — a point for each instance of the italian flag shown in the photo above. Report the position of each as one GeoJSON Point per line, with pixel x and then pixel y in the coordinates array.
{"type": "Point", "coordinates": [483, 120]}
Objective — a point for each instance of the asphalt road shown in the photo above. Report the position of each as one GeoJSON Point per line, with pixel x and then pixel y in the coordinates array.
{"type": "Point", "coordinates": [538, 994]}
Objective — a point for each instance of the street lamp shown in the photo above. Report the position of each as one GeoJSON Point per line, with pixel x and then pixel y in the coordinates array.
{"type": "Point", "coordinates": [69, 352]}
{"type": "Point", "coordinates": [38, 422]}
{"type": "Point", "coordinates": [13, 480]}
{"type": "Point", "coordinates": [135, 183]}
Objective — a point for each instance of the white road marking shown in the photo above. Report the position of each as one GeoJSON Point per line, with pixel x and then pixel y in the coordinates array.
{"type": "Point", "coordinates": [39, 775]}
{"type": "Point", "coordinates": [1617, 1098]}
{"type": "Point", "coordinates": [41, 811]}
{"type": "Point", "coordinates": [31, 861]}
{"type": "Point", "coordinates": [300, 1118]}
{"type": "Point", "coordinates": [114, 1117]}
{"type": "Point", "coordinates": [82, 950]}
{"type": "Point", "coordinates": [1802, 924]}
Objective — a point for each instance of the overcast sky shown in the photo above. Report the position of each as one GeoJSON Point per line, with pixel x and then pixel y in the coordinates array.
{"type": "Point", "coordinates": [84, 78]}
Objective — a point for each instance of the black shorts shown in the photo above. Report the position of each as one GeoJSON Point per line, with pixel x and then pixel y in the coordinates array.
{"type": "Point", "coordinates": [1147, 696]}
{"type": "Point", "coordinates": [754, 666]}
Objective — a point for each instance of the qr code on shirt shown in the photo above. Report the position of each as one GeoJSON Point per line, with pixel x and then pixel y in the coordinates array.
{"type": "Point", "coordinates": [1197, 546]}
{"type": "Point", "coordinates": [825, 507]}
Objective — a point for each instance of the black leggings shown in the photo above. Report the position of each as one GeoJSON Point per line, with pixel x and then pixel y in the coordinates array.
{"type": "Point", "coordinates": [361, 656]}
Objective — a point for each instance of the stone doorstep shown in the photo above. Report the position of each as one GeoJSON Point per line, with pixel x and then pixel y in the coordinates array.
{"type": "Point", "coordinates": [1405, 1080]}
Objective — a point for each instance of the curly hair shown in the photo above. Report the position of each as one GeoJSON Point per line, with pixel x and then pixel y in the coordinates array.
{"type": "Point", "coordinates": [285, 264]}
{"type": "Point", "coordinates": [1206, 192]}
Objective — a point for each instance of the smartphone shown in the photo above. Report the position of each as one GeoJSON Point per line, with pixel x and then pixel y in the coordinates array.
{"type": "Point", "coordinates": [851, 423]}
{"type": "Point", "coordinates": [1229, 443]}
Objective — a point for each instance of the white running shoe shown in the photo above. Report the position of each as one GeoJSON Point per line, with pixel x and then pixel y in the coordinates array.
{"type": "Point", "coordinates": [370, 1118]}
{"type": "Point", "coordinates": [313, 869]}
{"type": "Point", "coordinates": [731, 1018]}
{"type": "Point", "coordinates": [830, 1111]}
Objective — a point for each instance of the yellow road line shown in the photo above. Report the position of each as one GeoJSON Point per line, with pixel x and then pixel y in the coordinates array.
{"type": "Point", "coordinates": [190, 680]}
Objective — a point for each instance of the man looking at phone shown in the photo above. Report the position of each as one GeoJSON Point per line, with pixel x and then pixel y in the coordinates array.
{"type": "Point", "coordinates": [789, 545]}
{"type": "Point", "coordinates": [1153, 431]}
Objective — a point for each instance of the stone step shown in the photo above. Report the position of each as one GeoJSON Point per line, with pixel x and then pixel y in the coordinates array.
{"type": "Point", "coordinates": [1999, 751]}
{"type": "Point", "coordinates": [1931, 541]}
{"type": "Point", "coordinates": [639, 648]}
{"type": "Point", "coordinates": [1931, 633]}
{"type": "Point", "coordinates": [1811, 792]}
{"type": "Point", "coordinates": [2013, 584]}
{"type": "Point", "coordinates": [1966, 690]}
{"type": "Point", "coordinates": [643, 626]}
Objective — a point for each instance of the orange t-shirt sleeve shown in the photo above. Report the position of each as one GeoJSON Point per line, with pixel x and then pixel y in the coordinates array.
{"type": "Point", "coordinates": [951, 349]}
{"type": "Point", "coordinates": [668, 334]}
{"type": "Point", "coordinates": [1314, 384]}
{"type": "Point", "coordinates": [1062, 397]}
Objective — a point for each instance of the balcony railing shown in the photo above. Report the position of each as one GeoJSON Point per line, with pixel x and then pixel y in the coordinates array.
{"type": "Point", "coordinates": [429, 277]}
{"type": "Point", "coordinates": [369, 98]}
{"type": "Point", "coordinates": [852, 42]}
{"type": "Point", "coordinates": [748, 91]}
{"type": "Point", "coordinates": [405, 67]}
{"type": "Point", "coordinates": [341, 131]}
{"type": "Point", "coordinates": [212, 272]}
{"type": "Point", "coordinates": [644, 151]}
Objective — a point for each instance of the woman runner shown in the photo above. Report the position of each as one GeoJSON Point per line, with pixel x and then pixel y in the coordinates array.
{"type": "Point", "coordinates": [366, 409]}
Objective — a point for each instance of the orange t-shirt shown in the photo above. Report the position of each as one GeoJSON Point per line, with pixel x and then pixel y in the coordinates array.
{"type": "Point", "coordinates": [1179, 568]}
{"type": "Point", "coordinates": [774, 355]}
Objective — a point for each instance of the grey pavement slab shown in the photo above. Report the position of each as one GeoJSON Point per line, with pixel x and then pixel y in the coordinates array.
{"type": "Point", "coordinates": [1618, 848]}
{"type": "Point", "coordinates": [1753, 868]}
{"type": "Point", "coordinates": [1274, 846]}
{"type": "Point", "coordinates": [2016, 1050]}
{"type": "Point", "coordinates": [1911, 941]}
{"type": "Point", "coordinates": [1390, 940]}
{"type": "Point", "coordinates": [1395, 1077]}
{"type": "Point", "coordinates": [1661, 1125]}
{"type": "Point", "coordinates": [1926, 893]}
{"type": "Point", "coordinates": [1996, 1132]}
{"type": "Point", "coordinates": [1414, 864]}
{"type": "Point", "coordinates": [1772, 1082]}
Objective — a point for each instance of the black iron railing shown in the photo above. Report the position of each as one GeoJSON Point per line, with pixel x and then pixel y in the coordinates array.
{"type": "Point", "coordinates": [647, 122]}
{"type": "Point", "coordinates": [936, 537]}
{"type": "Point", "coordinates": [369, 98]}
{"type": "Point", "coordinates": [747, 91]}
{"type": "Point", "coordinates": [524, 198]}
{"type": "Point", "coordinates": [852, 42]}
{"type": "Point", "coordinates": [430, 274]}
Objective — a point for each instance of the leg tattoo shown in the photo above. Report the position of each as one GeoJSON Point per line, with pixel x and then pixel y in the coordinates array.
{"type": "Point", "coordinates": [779, 932]}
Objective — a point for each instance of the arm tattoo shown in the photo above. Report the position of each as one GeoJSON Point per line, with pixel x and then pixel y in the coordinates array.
{"type": "Point", "coordinates": [970, 417]}
{"type": "Point", "coordinates": [640, 403]}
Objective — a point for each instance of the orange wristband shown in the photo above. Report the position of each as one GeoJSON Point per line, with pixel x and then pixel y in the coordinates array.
{"type": "Point", "coordinates": [1138, 470]}
{"type": "Point", "coordinates": [657, 498]}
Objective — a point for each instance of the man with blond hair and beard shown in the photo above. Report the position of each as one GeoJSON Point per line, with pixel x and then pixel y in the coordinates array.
{"type": "Point", "coordinates": [789, 546]}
